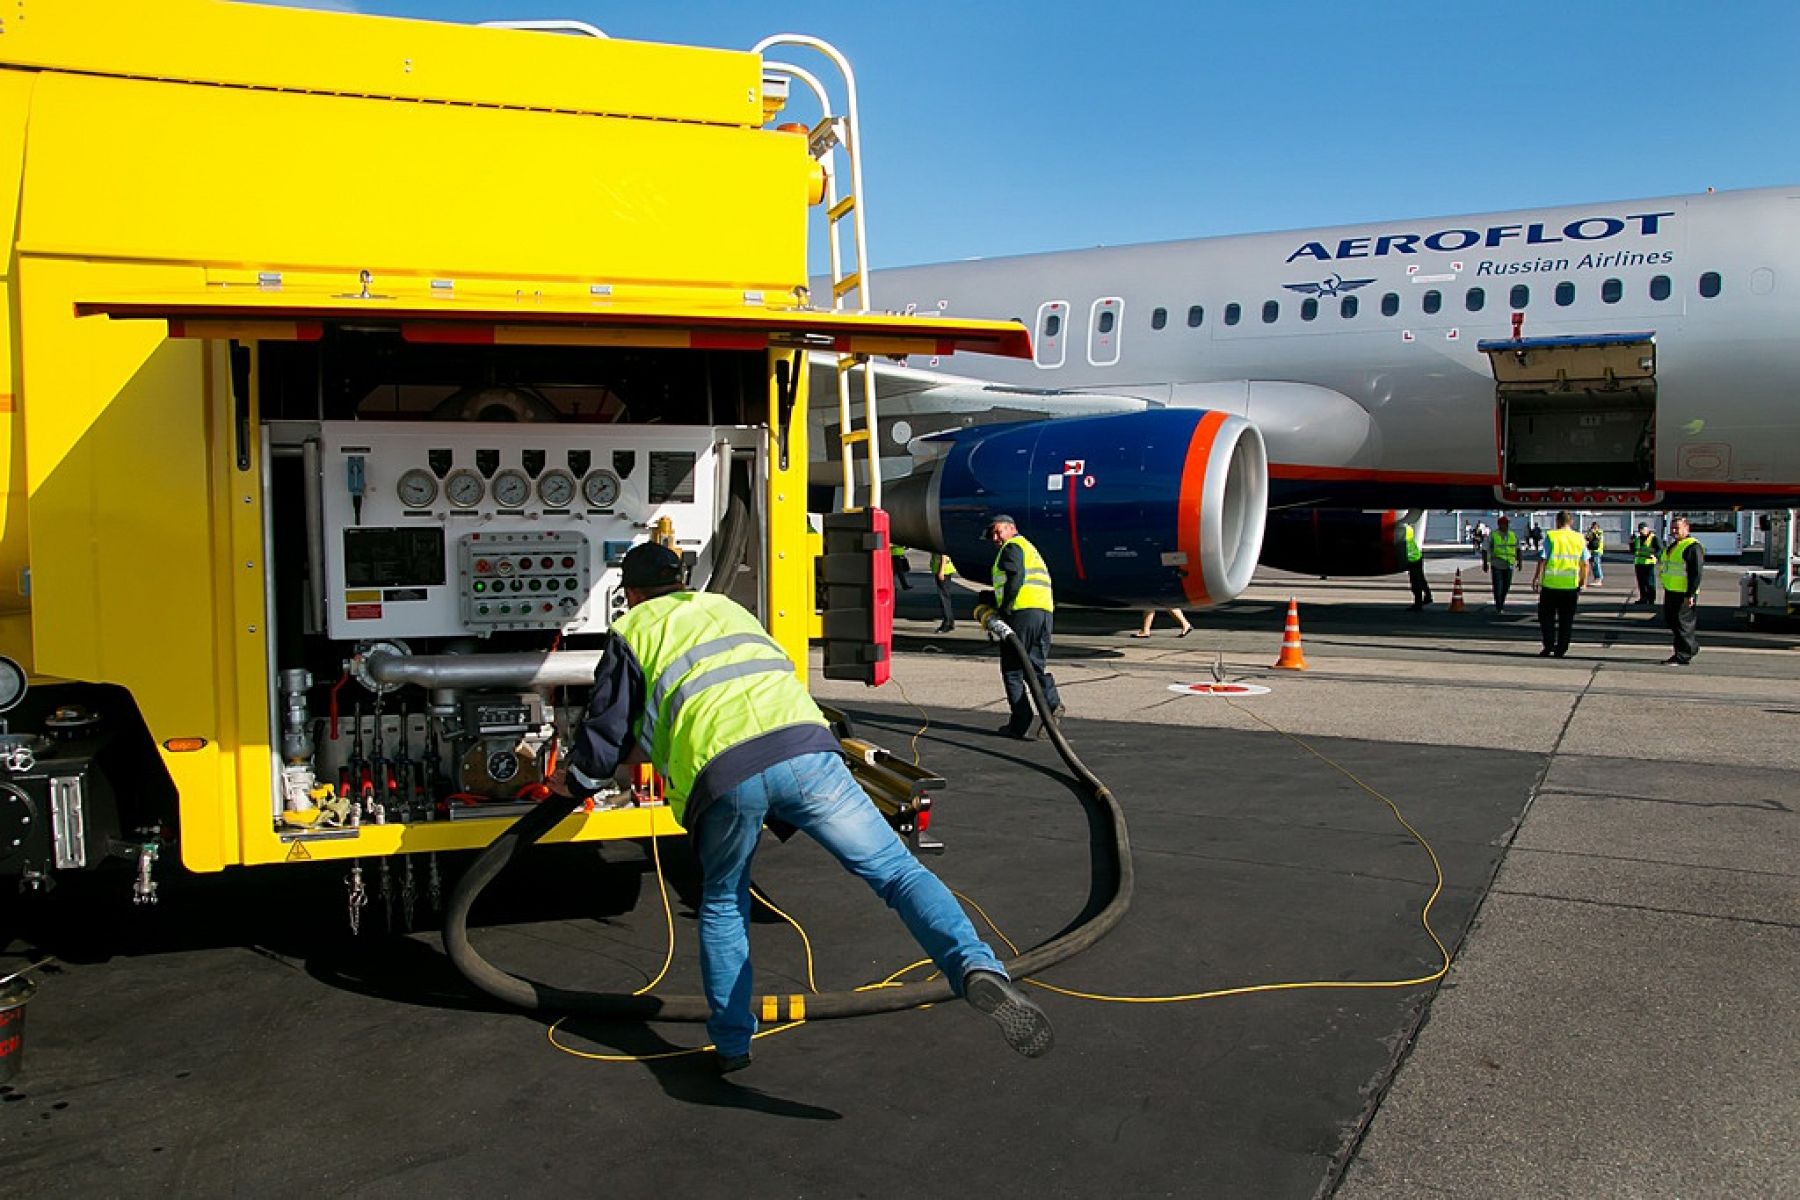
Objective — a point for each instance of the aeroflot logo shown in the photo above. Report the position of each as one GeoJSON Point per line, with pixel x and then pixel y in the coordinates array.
{"type": "Point", "coordinates": [1585, 229]}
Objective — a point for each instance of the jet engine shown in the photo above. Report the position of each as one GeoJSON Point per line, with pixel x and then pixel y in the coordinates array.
{"type": "Point", "coordinates": [1147, 509]}
{"type": "Point", "coordinates": [1335, 542]}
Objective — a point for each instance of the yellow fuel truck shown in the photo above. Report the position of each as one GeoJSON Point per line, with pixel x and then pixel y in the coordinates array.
{"type": "Point", "coordinates": [345, 357]}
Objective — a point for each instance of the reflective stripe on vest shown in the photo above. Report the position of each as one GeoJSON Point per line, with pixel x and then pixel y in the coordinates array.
{"type": "Point", "coordinates": [1643, 550]}
{"type": "Point", "coordinates": [713, 679]}
{"type": "Point", "coordinates": [1674, 568]}
{"type": "Point", "coordinates": [1413, 553]}
{"type": "Point", "coordinates": [1562, 570]}
{"type": "Point", "coordinates": [1035, 591]}
{"type": "Point", "coordinates": [1503, 547]}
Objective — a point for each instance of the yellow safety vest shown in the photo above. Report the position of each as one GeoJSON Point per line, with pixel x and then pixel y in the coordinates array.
{"type": "Point", "coordinates": [712, 678]}
{"type": "Point", "coordinates": [941, 565]}
{"type": "Point", "coordinates": [1674, 567]}
{"type": "Point", "coordinates": [1503, 547]}
{"type": "Point", "coordinates": [1643, 549]}
{"type": "Point", "coordinates": [1035, 591]}
{"type": "Point", "coordinates": [1597, 544]}
{"type": "Point", "coordinates": [1562, 570]}
{"type": "Point", "coordinates": [1413, 553]}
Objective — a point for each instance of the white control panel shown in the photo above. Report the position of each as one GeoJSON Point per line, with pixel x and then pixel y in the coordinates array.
{"type": "Point", "coordinates": [414, 512]}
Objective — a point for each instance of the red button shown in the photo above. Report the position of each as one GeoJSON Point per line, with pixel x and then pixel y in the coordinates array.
{"type": "Point", "coordinates": [482, 567]}
{"type": "Point", "coordinates": [568, 561]}
{"type": "Point", "coordinates": [546, 562]}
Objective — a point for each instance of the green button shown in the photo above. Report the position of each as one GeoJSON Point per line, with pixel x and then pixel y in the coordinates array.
{"type": "Point", "coordinates": [480, 587]}
{"type": "Point", "coordinates": [481, 609]}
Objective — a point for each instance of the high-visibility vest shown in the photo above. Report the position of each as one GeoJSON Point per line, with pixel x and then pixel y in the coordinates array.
{"type": "Point", "coordinates": [1597, 543]}
{"type": "Point", "coordinates": [1674, 567]}
{"type": "Point", "coordinates": [1503, 547]}
{"type": "Point", "coordinates": [941, 565]}
{"type": "Point", "coordinates": [1413, 553]}
{"type": "Point", "coordinates": [897, 550]}
{"type": "Point", "coordinates": [1562, 570]}
{"type": "Point", "coordinates": [1643, 549]}
{"type": "Point", "coordinates": [1035, 591]}
{"type": "Point", "coordinates": [712, 679]}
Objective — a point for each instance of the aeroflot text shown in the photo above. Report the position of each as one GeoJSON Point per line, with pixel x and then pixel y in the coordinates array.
{"type": "Point", "coordinates": [1446, 241]}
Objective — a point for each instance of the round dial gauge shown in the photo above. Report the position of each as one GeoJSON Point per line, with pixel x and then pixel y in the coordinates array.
{"type": "Point", "coordinates": [12, 683]}
{"type": "Point", "coordinates": [601, 489]}
{"type": "Point", "coordinates": [417, 488]}
{"type": "Point", "coordinates": [511, 489]}
{"type": "Point", "coordinates": [556, 489]}
{"type": "Point", "coordinates": [464, 488]}
{"type": "Point", "coordinates": [502, 765]}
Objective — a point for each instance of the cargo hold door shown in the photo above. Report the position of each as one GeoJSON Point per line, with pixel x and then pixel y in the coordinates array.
{"type": "Point", "coordinates": [1576, 419]}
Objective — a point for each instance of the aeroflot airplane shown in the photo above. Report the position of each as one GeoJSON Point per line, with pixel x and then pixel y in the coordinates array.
{"type": "Point", "coordinates": [1637, 354]}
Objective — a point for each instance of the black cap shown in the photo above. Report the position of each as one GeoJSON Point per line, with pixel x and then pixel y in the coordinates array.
{"type": "Point", "coordinates": [999, 519]}
{"type": "Point", "coordinates": [650, 566]}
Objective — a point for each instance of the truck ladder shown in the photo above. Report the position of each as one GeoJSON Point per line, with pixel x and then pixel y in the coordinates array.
{"type": "Point", "coordinates": [823, 140]}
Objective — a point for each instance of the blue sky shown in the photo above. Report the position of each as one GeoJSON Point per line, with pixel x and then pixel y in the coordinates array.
{"type": "Point", "coordinates": [1008, 128]}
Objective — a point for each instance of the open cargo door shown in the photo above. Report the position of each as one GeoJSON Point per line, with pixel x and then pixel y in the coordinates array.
{"type": "Point", "coordinates": [1577, 419]}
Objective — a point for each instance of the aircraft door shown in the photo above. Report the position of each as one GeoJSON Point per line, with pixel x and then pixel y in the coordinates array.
{"type": "Point", "coordinates": [1576, 419]}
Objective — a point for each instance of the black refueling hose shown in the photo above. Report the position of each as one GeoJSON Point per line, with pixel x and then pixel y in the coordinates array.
{"type": "Point", "coordinates": [1109, 840]}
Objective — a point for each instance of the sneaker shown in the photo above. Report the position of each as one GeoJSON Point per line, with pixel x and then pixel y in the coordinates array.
{"type": "Point", "coordinates": [1021, 1021]}
{"type": "Point", "coordinates": [1056, 714]}
{"type": "Point", "coordinates": [725, 1064]}
{"type": "Point", "coordinates": [1544, 653]}
{"type": "Point", "coordinates": [1674, 661]}
{"type": "Point", "coordinates": [946, 627]}
{"type": "Point", "coordinates": [1007, 731]}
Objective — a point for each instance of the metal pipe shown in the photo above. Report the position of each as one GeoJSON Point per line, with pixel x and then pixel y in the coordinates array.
{"type": "Point", "coordinates": [529, 669]}
{"type": "Point", "coordinates": [313, 497]}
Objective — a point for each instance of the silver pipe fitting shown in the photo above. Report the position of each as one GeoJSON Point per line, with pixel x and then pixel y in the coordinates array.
{"type": "Point", "coordinates": [562, 668]}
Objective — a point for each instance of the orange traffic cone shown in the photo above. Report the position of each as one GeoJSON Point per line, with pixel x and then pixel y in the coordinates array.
{"type": "Point", "coordinates": [1291, 658]}
{"type": "Point", "coordinates": [1456, 600]}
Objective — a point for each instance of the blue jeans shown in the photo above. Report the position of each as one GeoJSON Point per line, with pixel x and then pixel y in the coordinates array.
{"type": "Point", "coordinates": [814, 793]}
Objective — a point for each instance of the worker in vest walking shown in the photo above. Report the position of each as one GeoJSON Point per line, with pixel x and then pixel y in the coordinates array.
{"type": "Point", "coordinates": [1644, 550]}
{"type": "Point", "coordinates": [1415, 568]}
{"type": "Point", "coordinates": [942, 572]}
{"type": "Point", "coordinates": [691, 680]}
{"type": "Point", "coordinates": [1596, 546]}
{"type": "Point", "coordinates": [1500, 558]}
{"type": "Point", "coordinates": [1682, 566]}
{"type": "Point", "coordinates": [1562, 573]}
{"type": "Point", "coordinates": [1024, 600]}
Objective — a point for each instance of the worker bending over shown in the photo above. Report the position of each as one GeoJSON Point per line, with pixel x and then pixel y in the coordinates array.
{"type": "Point", "coordinates": [691, 680]}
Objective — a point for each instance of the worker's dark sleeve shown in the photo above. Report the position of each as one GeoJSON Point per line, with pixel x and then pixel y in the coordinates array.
{"type": "Point", "coordinates": [1012, 564]}
{"type": "Point", "coordinates": [1696, 565]}
{"type": "Point", "coordinates": [605, 734]}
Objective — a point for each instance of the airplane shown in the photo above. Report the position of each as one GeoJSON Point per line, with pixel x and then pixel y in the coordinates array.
{"type": "Point", "coordinates": [1285, 397]}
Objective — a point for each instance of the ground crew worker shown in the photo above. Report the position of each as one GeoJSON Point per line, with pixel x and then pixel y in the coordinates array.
{"type": "Point", "coordinates": [942, 571]}
{"type": "Point", "coordinates": [1682, 567]}
{"type": "Point", "coordinates": [1415, 568]}
{"type": "Point", "coordinates": [897, 559]}
{"type": "Point", "coordinates": [1596, 546]}
{"type": "Point", "coordinates": [695, 684]}
{"type": "Point", "coordinates": [1023, 598]}
{"type": "Point", "coordinates": [1500, 558]}
{"type": "Point", "coordinates": [1644, 549]}
{"type": "Point", "coordinates": [1563, 573]}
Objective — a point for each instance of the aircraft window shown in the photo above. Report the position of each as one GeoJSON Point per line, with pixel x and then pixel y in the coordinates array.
{"type": "Point", "coordinates": [1710, 284]}
{"type": "Point", "coordinates": [1347, 306]}
{"type": "Point", "coordinates": [1309, 308]}
{"type": "Point", "coordinates": [1271, 311]}
{"type": "Point", "coordinates": [1434, 300]}
{"type": "Point", "coordinates": [1659, 288]}
{"type": "Point", "coordinates": [1159, 318]}
{"type": "Point", "coordinates": [1052, 325]}
{"type": "Point", "coordinates": [1475, 300]}
{"type": "Point", "coordinates": [1107, 319]}
{"type": "Point", "coordinates": [1233, 312]}
{"type": "Point", "coordinates": [1565, 294]}
{"type": "Point", "coordinates": [1521, 295]}
{"type": "Point", "coordinates": [1196, 314]}
{"type": "Point", "coordinates": [1390, 304]}
{"type": "Point", "coordinates": [1612, 291]}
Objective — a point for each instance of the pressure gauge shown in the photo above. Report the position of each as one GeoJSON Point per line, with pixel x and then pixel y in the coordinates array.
{"type": "Point", "coordinates": [417, 488]}
{"type": "Point", "coordinates": [502, 765]}
{"type": "Point", "coordinates": [511, 489]}
{"type": "Point", "coordinates": [12, 683]}
{"type": "Point", "coordinates": [601, 489]}
{"type": "Point", "coordinates": [464, 488]}
{"type": "Point", "coordinates": [556, 488]}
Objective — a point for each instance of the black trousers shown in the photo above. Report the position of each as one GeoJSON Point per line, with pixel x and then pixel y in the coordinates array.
{"type": "Point", "coordinates": [1502, 583]}
{"type": "Point", "coordinates": [1033, 625]}
{"type": "Point", "coordinates": [1683, 620]}
{"type": "Point", "coordinates": [1556, 617]}
{"type": "Point", "coordinates": [943, 591]}
{"type": "Point", "coordinates": [1415, 575]}
{"type": "Point", "coordinates": [899, 564]}
{"type": "Point", "coordinates": [1646, 576]}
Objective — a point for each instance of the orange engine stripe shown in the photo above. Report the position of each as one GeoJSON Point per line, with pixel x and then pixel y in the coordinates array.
{"type": "Point", "coordinates": [1193, 487]}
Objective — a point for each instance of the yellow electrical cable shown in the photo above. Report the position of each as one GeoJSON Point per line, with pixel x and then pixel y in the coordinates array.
{"type": "Point", "coordinates": [920, 732]}
{"type": "Point", "coordinates": [668, 913]}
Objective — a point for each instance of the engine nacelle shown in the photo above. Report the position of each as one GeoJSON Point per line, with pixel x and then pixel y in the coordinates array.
{"type": "Point", "coordinates": [1147, 509]}
{"type": "Point", "coordinates": [1335, 542]}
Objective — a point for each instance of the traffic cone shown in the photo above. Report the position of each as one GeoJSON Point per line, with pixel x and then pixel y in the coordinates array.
{"type": "Point", "coordinates": [1291, 658]}
{"type": "Point", "coordinates": [1456, 600]}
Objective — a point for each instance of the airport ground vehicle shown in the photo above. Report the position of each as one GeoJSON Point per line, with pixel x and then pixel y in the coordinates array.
{"type": "Point", "coordinates": [346, 358]}
{"type": "Point", "coordinates": [1772, 592]}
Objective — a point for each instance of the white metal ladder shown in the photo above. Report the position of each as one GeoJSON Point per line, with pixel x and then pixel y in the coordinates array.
{"type": "Point", "coordinates": [831, 132]}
